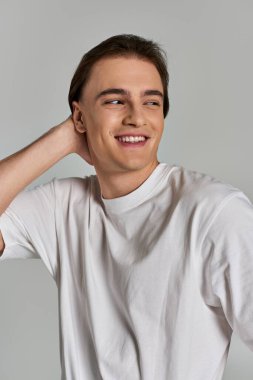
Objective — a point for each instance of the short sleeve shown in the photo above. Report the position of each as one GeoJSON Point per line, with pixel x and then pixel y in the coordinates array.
{"type": "Point", "coordinates": [229, 243]}
{"type": "Point", "coordinates": [28, 226]}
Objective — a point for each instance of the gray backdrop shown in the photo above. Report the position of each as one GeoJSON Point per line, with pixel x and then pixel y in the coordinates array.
{"type": "Point", "coordinates": [208, 129]}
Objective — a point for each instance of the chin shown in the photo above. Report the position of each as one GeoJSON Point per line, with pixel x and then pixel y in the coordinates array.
{"type": "Point", "coordinates": [133, 165]}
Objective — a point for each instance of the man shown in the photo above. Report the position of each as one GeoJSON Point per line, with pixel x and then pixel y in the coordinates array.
{"type": "Point", "coordinates": [153, 262]}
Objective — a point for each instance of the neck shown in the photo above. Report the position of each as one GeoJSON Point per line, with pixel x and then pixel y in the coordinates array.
{"type": "Point", "coordinates": [118, 184]}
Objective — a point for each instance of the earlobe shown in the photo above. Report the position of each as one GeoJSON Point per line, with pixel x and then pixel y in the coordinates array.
{"type": "Point", "coordinates": [80, 126]}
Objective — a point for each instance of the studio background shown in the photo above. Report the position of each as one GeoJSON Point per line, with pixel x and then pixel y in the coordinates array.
{"type": "Point", "coordinates": [208, 128]}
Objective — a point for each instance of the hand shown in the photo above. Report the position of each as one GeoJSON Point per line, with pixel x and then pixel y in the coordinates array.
{"type": "Point", "coordinates": [77, 140]}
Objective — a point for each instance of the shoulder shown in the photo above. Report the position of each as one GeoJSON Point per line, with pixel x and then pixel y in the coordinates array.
{"type": "Point", "coordinates": [201, 187]}
{"type": "Point", "coordinates": [74, 187]}
{"type": "Point", "coordinates": [202, 196]}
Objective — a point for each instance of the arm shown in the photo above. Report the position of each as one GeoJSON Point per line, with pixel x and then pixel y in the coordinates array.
{"type": "Point", "coordinates": [19, 169]}
{"type": "Point", "coordinates": [229, 244]}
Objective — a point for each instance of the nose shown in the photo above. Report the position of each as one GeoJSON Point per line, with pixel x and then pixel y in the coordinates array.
{"type": "Point", "coordinates": [134, 117]}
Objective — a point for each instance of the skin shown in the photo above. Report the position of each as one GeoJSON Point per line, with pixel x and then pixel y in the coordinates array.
{"type": "Point", "coordinates": [120, 170]}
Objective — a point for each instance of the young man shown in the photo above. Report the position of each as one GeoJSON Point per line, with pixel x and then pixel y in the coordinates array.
{"type": "Point", "coordinates": [153, 262]}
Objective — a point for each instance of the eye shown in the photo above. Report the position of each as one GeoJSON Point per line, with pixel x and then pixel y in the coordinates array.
{"type": "Point", "coordinates": [111, 101]}
{"type": "Point", "coordinates": [154, 103]}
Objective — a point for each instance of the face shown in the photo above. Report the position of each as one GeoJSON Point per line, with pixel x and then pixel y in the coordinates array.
{"type": "Point", "coordinates": [134, 109]}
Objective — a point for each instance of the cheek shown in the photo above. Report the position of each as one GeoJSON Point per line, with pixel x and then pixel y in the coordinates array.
{"type": "Point", "coordinates": [104, 117]}
{"type": "Point", "coordinates": [94, 125]}
{"type": "Point", "coordinates": [104, 123]}
{"type": "Point", "coordinates": [111, 116]}
{"type": "Point", "coordinates": [157, 122]}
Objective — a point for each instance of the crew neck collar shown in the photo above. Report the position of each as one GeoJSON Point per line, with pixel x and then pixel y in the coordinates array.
{"type": "Point", "coordinates": [137, 196]}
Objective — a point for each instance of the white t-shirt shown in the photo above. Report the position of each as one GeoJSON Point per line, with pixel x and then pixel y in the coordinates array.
{"type": "Point", "coordinates": [150, 284]}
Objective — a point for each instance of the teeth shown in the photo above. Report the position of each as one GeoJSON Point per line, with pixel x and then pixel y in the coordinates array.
{"type": "Point", "coordinates": [131, 139]}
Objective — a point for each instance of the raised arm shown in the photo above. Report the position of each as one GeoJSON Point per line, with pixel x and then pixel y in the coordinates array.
{"type": "Point", "coordinates": [21, 168]}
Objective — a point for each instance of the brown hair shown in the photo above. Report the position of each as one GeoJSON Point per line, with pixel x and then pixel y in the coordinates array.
{"type": "Point", "coordinates": [115, 46]}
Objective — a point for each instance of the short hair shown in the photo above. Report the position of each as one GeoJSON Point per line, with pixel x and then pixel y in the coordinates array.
{"type": "Point", "coordinates": [121, 45]}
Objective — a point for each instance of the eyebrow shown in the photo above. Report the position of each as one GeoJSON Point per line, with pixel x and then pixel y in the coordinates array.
{"type": "Point", "coordinates": [121, 91]}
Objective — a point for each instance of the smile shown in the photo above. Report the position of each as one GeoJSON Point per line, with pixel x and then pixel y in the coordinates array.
{"type": "Point", "coordinates": [131, 139]}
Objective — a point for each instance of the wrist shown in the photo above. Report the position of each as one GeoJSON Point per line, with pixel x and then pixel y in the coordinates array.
{"type": "Point", "coordinates": [64, 138]}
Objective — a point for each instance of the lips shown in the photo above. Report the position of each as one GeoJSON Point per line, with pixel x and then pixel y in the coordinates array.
{"type": "Point", "coordinates": [133, 135]}
{"type": "Point", "coordinates": [131, 139]}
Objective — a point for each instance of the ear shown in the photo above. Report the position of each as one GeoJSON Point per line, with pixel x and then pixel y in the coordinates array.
{"type": "Point", "coordinates": [78, 117]}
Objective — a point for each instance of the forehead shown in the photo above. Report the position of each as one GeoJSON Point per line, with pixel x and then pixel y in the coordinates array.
{"type": "Point", "coordinates": [126, 72]}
